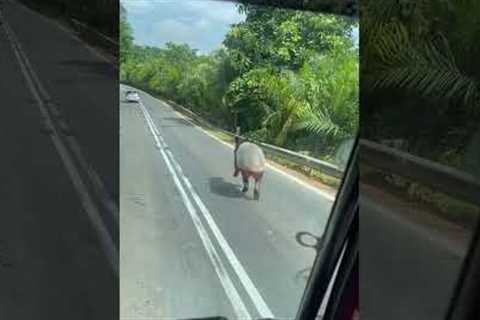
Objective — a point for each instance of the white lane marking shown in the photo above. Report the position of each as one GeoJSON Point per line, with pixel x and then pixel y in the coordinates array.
{"type": "Point", "coordinates": [74, 175]}
{"type": "Point", "coordinates": [247, 283]}
{"type": "Point", "coordinates": [326, 195]}
{"type": "Point", "coordinates": [94, 177]}
{"type": "Point", "coordinates": [68, 32]}
{"type": "Point", "coordinates": [228, 286]}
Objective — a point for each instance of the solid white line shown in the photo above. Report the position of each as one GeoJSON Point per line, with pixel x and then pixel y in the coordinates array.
{"type": "Point", "coordinates": [151, 127]}
{"type": "Point", "coordinates": [111, 206]}
{"type": "Point", "coordinates": [228, 286]}
{"type": "Point", "coordinates": [85, 199]}
{"type": "Point", "coordinates": [95, 179]}
{"type": "Point", "coordinates": [322, 193]}
{"type": "Point", "coordinates": [247, 283]}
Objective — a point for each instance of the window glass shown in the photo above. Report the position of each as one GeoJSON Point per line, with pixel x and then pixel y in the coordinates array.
{"type": "Point", "coordinates": [195, 241]}
{"type": "Point", "coordinates": [420, 156]}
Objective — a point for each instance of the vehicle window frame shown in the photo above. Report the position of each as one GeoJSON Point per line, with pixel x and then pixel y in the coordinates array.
{"type": "Point", "coordinates": [465, 303]}
{"type": "Point", "coordinates": [339, 235]}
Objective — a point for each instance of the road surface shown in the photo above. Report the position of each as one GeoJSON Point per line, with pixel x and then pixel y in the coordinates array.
{"type": "Point", "coordinates": [53, 264]}
{"type": "Point", "coordinates": [409, 260]}
{"type": "Point", "coordinates": [192, 244]}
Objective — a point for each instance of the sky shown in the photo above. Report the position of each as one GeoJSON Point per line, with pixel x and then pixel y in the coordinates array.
{"type": "Point", "coordinates": [201, 24]}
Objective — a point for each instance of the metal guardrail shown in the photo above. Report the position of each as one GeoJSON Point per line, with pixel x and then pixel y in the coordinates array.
{"type": "Point", "coordinates": [298, 158]}
{"type": "Point", "coordinates": [445, 179]}
{"type": "Point", "coordinates": [97, 36]}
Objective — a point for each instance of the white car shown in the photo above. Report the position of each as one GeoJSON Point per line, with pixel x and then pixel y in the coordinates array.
{"type": "Point", "coordinates": [132, 96]}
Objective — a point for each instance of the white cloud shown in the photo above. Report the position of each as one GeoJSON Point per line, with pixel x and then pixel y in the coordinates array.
{"type": "Point", "coordinates": [167, 29]}
{"type": "Point", "coordinates": [200, 23]}
{"type": "Point", "coordinates": [138, 6]}
{"type": "Point", "coordinates": [203, 24]}
{"type": "Point", "coordinates": [220, 11]}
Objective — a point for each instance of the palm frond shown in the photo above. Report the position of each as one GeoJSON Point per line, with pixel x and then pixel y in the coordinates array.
{"type": "Point", "coordinates": [318, 122]}
{"type": "Point", "coordinates": [429, 69]}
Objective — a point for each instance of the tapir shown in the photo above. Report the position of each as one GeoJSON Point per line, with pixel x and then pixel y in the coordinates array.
{"type": "Point", "coordinates": [249, 160]}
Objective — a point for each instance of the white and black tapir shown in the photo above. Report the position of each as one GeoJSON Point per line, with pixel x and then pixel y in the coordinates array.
{"type": "Point", "coordinates": [249, 160]}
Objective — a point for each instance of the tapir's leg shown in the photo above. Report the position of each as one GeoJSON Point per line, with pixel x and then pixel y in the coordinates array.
{"type": "Point", "coordinates": [258, 182]}
{"type": "Point", "coordinates": [236, 171]}
{"type": "Point", "coordinates": [245, 181]}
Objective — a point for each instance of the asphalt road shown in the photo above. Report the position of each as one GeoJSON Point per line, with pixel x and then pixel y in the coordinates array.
{"type": "Point", "coordinates": [192, 244]}
{"type": "Point", "coordinates": [83, 84]}
{"type": "Point", "coordinates": [410, 261]}
{"type": "Point", "coordinates": [52, 264]}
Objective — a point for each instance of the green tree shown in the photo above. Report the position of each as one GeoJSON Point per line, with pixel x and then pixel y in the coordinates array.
{"type": "Point", "coordinates": [422, 53]}
{"type": "Point", "coordinates": [126, 36]}
{"type": "Point", "coordinates": [287, 76]}
{"type": "Point", "coordinates": [284, 38]}
{"type": "Point", "coordinates": [330, 86]}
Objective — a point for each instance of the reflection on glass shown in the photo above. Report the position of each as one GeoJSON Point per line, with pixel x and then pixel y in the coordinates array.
{"type": "Point", "coordinates": [197, 240]}
{"type": "Point", "coordinates": [420, 155]}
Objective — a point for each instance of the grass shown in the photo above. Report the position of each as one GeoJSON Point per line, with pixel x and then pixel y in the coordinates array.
{"type": "Point", "coordinates": [442, 205]}
{"type": "Point", "coordinates": [306, 171]}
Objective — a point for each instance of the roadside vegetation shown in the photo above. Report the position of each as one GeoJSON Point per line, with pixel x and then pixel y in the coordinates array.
{"type": "Point", "coordinates": [285, 77]}
{"type": "Point", "coordinates": [422, 57]}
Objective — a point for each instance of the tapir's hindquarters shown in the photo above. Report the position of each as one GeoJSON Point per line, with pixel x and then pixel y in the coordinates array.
{"type": "Point", "coordinates": [250, 160]}
{"type": "Point", "coordinates": [257, 176]}
{"type": "Point", "coordinates": [250, 157]}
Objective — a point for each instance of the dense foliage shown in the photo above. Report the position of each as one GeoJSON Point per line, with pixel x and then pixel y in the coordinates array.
{"type": "Point", "coordinates": [421, 77]}
{"type": "Point", "coordinates": [285, 77]}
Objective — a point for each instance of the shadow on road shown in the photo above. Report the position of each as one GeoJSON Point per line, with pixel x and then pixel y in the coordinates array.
{"type": "Point", "coordinates": [307, 240]}
{"type": "Point", "coordinates": [226, 189]}
{"type": "Point", "coordinates": [103, 68]}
